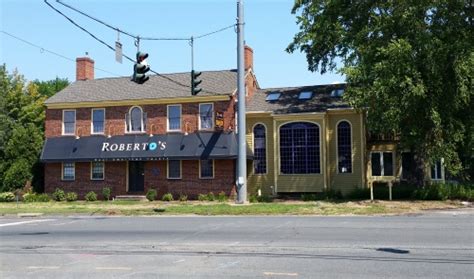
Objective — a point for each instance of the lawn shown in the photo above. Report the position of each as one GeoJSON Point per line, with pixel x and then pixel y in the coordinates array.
{"type": "Point", "coordinates": [228, 208]}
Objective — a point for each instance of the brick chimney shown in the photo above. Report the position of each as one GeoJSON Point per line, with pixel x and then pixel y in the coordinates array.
{"type": "Point", "coordinates": [248, 57]}
{"type": "Point", "coordinates": [84, 68]}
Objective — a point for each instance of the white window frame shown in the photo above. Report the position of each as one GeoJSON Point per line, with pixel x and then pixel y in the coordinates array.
{"type": "Point", "coordinates": [266, 147]}
{"type": "Point", "coordinates": [75, 121]}
{"type": "Point", "coordinates": [180, 170]}
{"type": "Point", "coordinates": [212, 117]}
{"type": "Point", "coordinates": [382, 169]}
{"type": "Point", "coordinates": [92, 122]}
{"type": "Point", "coordinates": [168, 118]}
{"type": "Point", "coordinates": [129, 124]}
{"type": "Point", "coordinates": [62, 172]}
{"type": "Point", "coordinates": [436, 171]}
{"type": "Point", "coordinates": [213, 170]}
{"type": "Point", "coordinates": [103, 170]}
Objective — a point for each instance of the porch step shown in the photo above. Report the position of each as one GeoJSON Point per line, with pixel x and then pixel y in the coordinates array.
{"type": "Point", "coordinates": [131, 198]}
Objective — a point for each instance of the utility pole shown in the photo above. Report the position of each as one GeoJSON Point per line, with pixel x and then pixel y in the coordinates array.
{"type": "Point", "coordinates": [242, 156]}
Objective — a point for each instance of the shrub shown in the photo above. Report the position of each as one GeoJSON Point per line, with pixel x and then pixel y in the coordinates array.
{"type": "Point", "coordinates": [444, 192]}
{"type": "Point", "coordinates": [359, 194]}
{"type": "Point", "coordinates": [33, 197]}
{"type": "Point", "coordinates": [7, 197]}
{"type": "Point", "coordinates": [91, 196]}
{"type": "Point", "coordinates": [202, 197]}
{"type": "Point", "coordinates": [183, 197]}
{"type": "Point", "coordinates": [167, 197]}
{"type": "Point", "coordinates": [253, 199]}
{"type": "Point", "coordinates": [211, 196]}
{"type": "Point", "coordinates": [106, 191]}
{"type": "Point", "coordinates": [59, 195]}
{"type": "Point", "coordinates": [264, 198]}
{"type": "Point", "coordinates": [222, 197]}
{"type": "Point", "coordinates": [17, 175]}
{"type": "Point", "coordinates": [308, 197]}
{"type": "Point", "coordinates": [151, 195]}
{"type": "Point", "coordinates": [71, 196]}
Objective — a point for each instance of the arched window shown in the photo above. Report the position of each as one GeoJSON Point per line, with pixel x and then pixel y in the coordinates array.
{"type": "Point", "coordinates": [344, 151]}
{"type": "Point", "coordinates": [299, 148]}
{"type": "Point", "coordinates": [135, 120]}
{"type": "Point", "coordinates": [259, 149]}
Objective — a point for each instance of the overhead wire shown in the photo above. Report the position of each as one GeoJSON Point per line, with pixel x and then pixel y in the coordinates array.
{"type": "Point", "coordinates": [42, 49]}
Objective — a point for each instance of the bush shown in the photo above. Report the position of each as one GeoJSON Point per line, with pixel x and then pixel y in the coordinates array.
{"type": "Point", "coordinates": [183, 197]}
{"type": "Point", "coordinates": [308, 197]}
{"type": "Point", "coordinates": [91, 196]}
{"type": "Point", "coordinates": [222, 197]}
{"type": "Point", "coordinates": [167, 197]}
{"type": "Point", "coordinates": [359, 194]}
{"type": "Point", "coordinates": [151, 195]}
{"type": "Point", "coordinates": [7, 197]}
{"type": "Point", "coordinates": [253, 199]}
{"type": "Point", "coordinates": [211, 196]}
{"type": "Point", "coordinates": [106, 191]}
{"type": "Point", "coordinates": [202, 197]}
{"type": "Point", "coordinates": [33, 197]}
{"type": "Point", "coordinates": [264, 198]}
{"type": "Point", "coordinates": [71, 196]}
{"type": "Point", "coordinates": [59, 195]}
{"type": "Point", "coordinates": [445, 191]}
{"type": "Point", "coordinates": [17, 175]}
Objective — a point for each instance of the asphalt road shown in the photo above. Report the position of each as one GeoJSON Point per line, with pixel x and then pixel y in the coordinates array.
{"type": "Point", "coordinates": [433, 245]}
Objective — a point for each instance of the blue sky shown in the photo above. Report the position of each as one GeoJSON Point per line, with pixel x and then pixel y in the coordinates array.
{"type": "Point", "coordinates": [269, 29]}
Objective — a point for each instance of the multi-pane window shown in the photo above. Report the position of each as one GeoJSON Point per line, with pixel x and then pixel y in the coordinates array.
{"type": "Point", "coordinates": [97, 170]}
{"type": "Point", "coordinates": [69, 122]}
{"type": "Point", "coordinates": [135, 120]}
{"type": "Point", "coordinates": [174, 118]}
{"type": "Point", "coordinates": [206, 116]}
{"type": "Point", "coordinates": [299, 148]}
{"type": "Point", "coordinates": [68, 171]}
{"type": "Point", "coordinates": [436, 170]}
{"type": "Point", "coordinates": [344, 151]}
{"type": "Point", "coordinates": [98, 120]}
{"type": "Point", "coordinates": [206, 169]}
{"type": "Point", "coordinates": [174, 169]}
{"type": "Point", "coordinates": [259, 149]}
{"type": "Point", "coordinates": [382, 163]}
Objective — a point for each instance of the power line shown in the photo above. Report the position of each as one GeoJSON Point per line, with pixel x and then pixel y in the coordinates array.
{"type": "Point", "coordinates": [42, 49]}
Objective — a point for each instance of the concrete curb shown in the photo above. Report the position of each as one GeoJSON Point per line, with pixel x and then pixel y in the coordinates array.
{"type": "Point", "coordinates": [24, 215]}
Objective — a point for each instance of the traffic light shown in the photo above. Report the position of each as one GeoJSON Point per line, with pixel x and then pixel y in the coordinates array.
{"type": "Point", "coordinates": [195, 82]}
{"type": "Point", "coordinates": [140, 68]}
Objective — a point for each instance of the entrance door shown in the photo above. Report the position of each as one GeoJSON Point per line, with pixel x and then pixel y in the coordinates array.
{"type": "Point", "coordinates": [136, 176]}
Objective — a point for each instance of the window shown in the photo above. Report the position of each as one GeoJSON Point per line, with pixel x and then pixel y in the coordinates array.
{"type": "Point", "coordinates": [68, 171]}
{"type": "Point", "coordinates": [97, 170]}
{"type": "Point", "coordinates": [69, 122]}
{"type": "Point", "coordinates": [436, 170]}
{"type": "Point", "coordinates": [259, 149]}
{"type": "Point", "coordinates": [135, 120]}
{"type": "Point", "coordinates": [206, 169]}
{"type": "Point", "coordinates": [299, 148]}
{"type": "Point", "coordinates": [98, 119]}
{"type": "Point", "coordinates": [305, 95]}
{"type": "Point", "coordinates": [273, 96]}
{"type": "Point", "coordinates": [206, 116]}
{"type": "Point", "coordinates": [174, 118]}
{"type": "Point", "coordinates": [382, 163]}
{"type": "Point", "coordinates": [344, 150]}
{"type": "Point", "coordinates": [337, 92]}
{"type": "Point", "coordinates": [174, 169]}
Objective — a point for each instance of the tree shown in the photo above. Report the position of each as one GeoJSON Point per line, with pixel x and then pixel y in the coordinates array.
{"type": "Point", "coordinates": [410, 64]}
{"type": "Point", "coordinates": [50, 87]}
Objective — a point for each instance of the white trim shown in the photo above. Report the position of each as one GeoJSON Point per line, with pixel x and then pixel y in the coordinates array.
{"type": "Point", "coordinates": [382, 171]}
{"type": "Point", "coordinates": [321, 167]}
{"type": "Point", "coordinates": [168, 119]}
{"type": "Point", "coordinates": [103, 171]}
{"type": "Point", "coordinates": [266, 148]}
{"type": "Point", "coordinates": [212, 118]}
{"type": "Point", "coordinates": [62, 122]}
{"type": "Point", "coordinates": [213, 169]}
{"type": "Point", "coordinates": [436, 171]}
{"type": "Point", "coordinates": [92, 122]}
{"type": "Point", "coordinates": [337, 147]}
{"type": "Point", "coordinates": [168, 170]}
{"type": "Point", "coordinates": [62, 171]}
{"type": "Point", "coordinates": [129, 124]}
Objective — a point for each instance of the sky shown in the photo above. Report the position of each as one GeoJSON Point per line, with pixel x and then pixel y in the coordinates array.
{"type": "Point", "coordinates": [269, 28]}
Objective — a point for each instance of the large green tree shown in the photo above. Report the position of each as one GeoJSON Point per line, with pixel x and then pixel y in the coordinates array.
{"type": "Point", "coordinates": [410, 64]}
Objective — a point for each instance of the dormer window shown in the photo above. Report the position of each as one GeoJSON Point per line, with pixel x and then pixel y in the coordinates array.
{"type": "Point", "coordinates": [273, 96]}
{"type": "Point", "coordinates": [135, 120]}
{"type": "Point", "coordinates": [337, 92]}
{"type": "Point", "coordinates": [305, 95]}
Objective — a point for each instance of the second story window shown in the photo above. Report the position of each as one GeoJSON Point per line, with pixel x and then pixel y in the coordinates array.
{"type": "Point", "coordinates": [206, 116]}
{"type": "Point", "coordinates": [174, 118]}
{"type": "Point", "coordinates": [98, 120]}
{"type": "Point", "coordinates": [135, 120]}
{"type": "Point", "coordinates": [69, 122]}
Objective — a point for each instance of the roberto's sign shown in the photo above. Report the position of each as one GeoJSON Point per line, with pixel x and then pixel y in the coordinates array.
{"type": "Point", "coordinates": [106, 146]}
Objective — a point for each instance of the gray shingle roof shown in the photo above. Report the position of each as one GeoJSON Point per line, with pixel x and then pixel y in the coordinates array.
{"type": "Point", "coordinates": [157, 87]}
{"type": "Point", "coordinates": [289, 102]}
